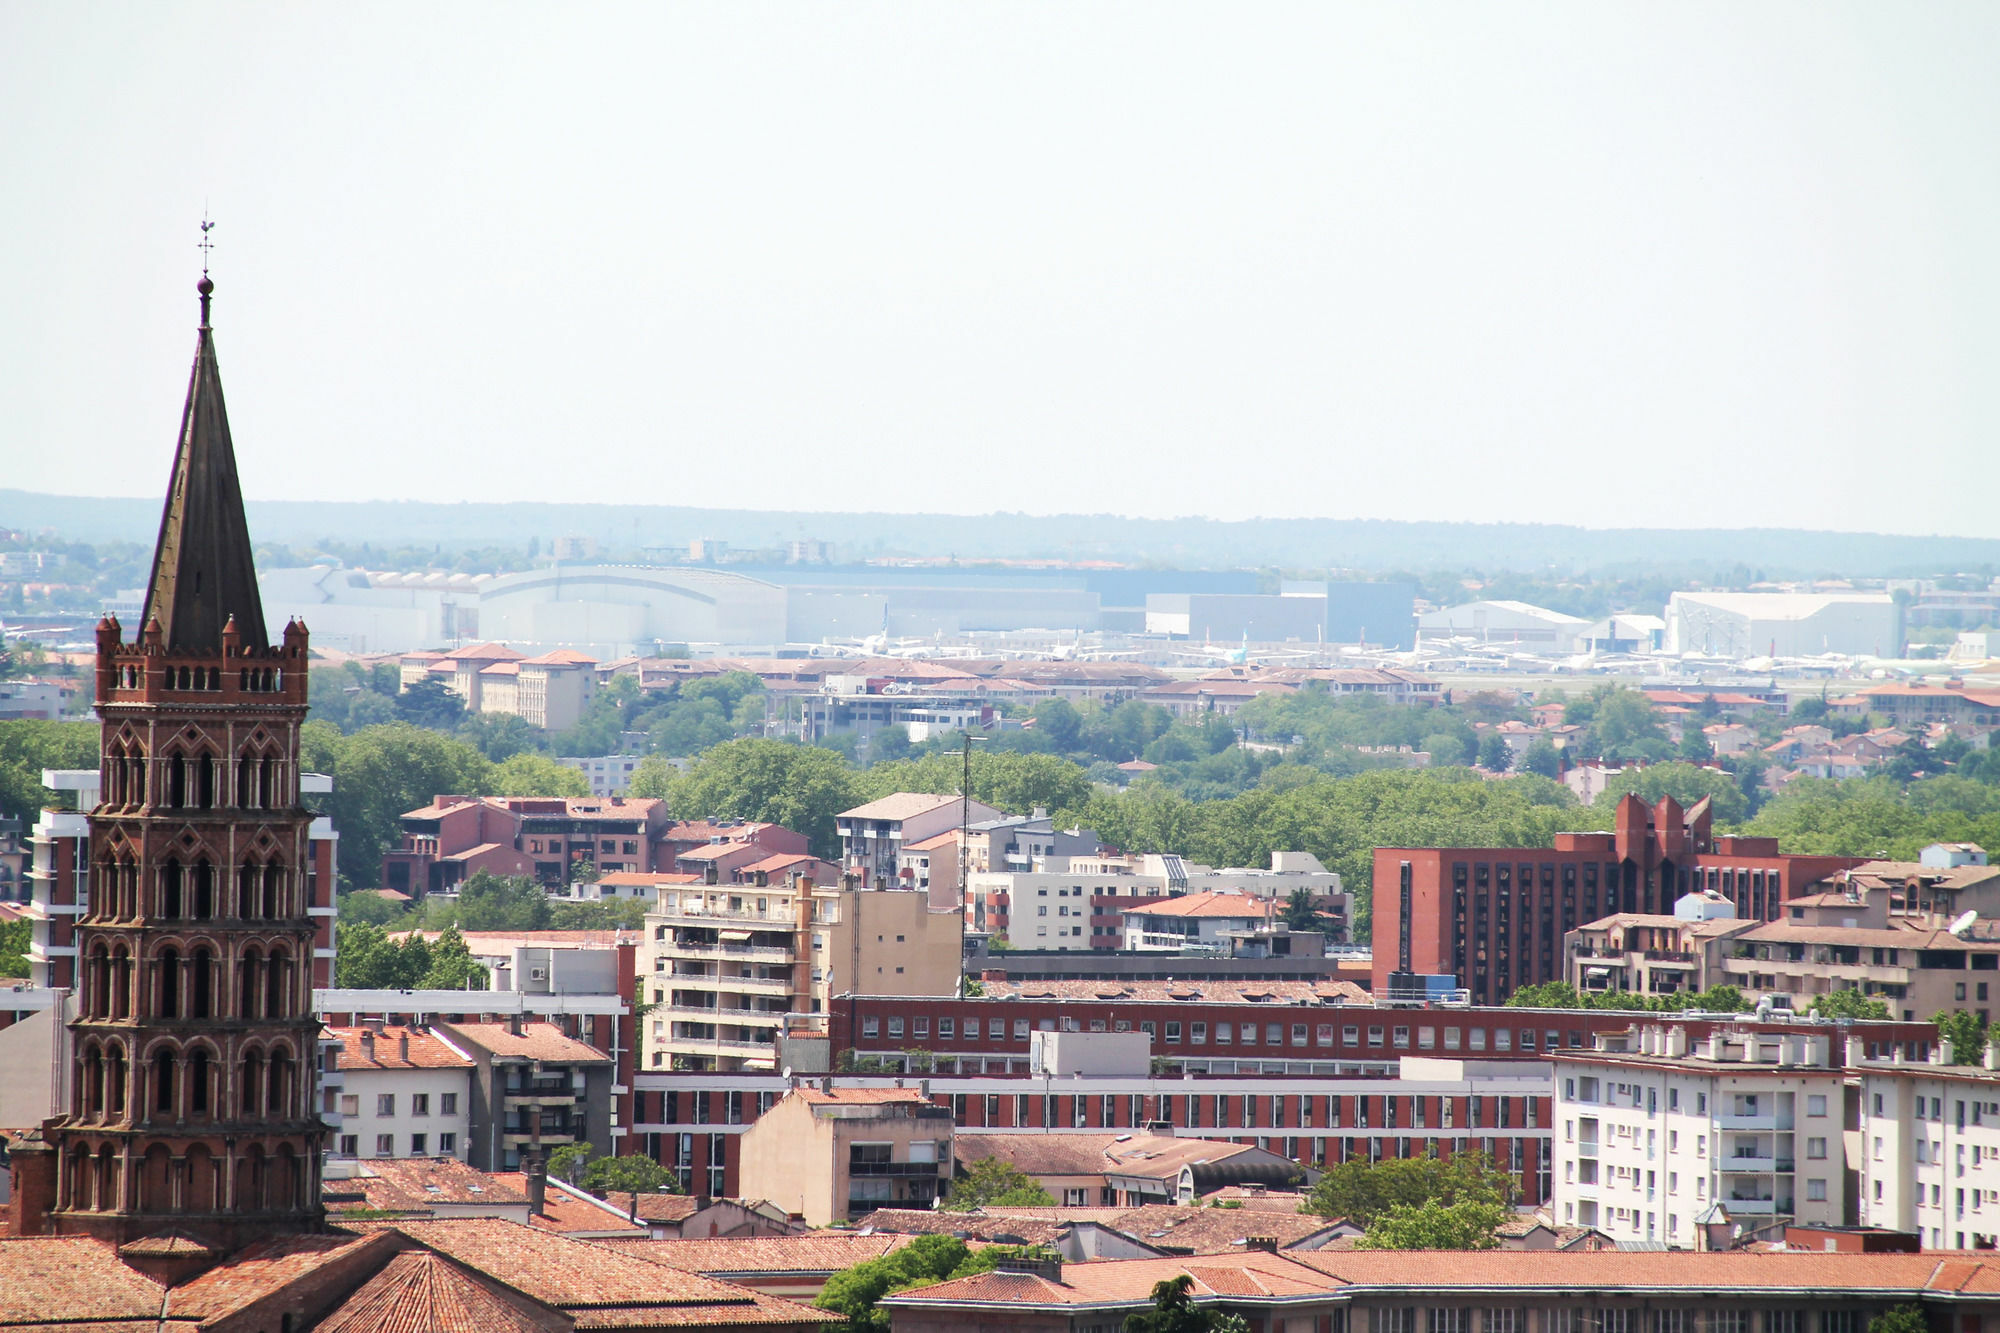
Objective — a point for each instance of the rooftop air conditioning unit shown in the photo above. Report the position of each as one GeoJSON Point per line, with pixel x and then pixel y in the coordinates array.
{"type": "Point", "coordinates": [538, 974]}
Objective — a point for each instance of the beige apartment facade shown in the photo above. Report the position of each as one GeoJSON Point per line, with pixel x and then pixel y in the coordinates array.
{"type": "Point", "coordinates": [835, 1154]}
{"type": "Point", "coordinates": [723, 965]}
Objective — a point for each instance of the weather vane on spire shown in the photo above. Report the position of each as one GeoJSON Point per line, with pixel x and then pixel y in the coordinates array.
{"type": "Point", "coordinates": [205, 245]}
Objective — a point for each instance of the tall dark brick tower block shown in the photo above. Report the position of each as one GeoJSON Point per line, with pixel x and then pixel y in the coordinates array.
{"type": "Point", "coordinates": [193, 1102]}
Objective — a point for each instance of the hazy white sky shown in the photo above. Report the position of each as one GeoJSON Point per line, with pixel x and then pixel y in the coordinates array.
{"type": "Point", "coordinates": [1677, 264]}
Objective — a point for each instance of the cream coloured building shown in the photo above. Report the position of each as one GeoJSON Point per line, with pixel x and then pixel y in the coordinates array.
{"type": "Point", "coordinates": [722, 965]}
{"type": "Point", "coordinates": [834, 1154]}
{"type": "Point", "coordinates": [1664, 1143]}
{"type": "Point", "coordinates": [1929, 1150]}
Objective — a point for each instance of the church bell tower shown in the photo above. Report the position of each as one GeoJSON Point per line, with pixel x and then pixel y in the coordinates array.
{"type": "Point", "coordinates": [192, 1105]}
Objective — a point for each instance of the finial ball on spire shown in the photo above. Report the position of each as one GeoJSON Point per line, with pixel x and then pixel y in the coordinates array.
{"type": "Point", "coordinates": [204, 286]}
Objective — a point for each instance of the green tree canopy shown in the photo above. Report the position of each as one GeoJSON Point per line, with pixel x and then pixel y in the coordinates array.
{"type": "Point", "coordinates": [27, 746]}
{"type": "Point", "coordinates": [1362, 1191]}
{"type": "Point", "coordinates": [1431, 1225]}
{"type": "Point", "coordinates": [799, 786]}
{"type": "Point", "coordinates": [1849, 1003]}
{"type": "Point", "coordinates": [379, 774]}
{"type": "Point", "coordinates": [1966, 1033]}
{"type": "Point", "coordinates": [1174, 1311]}
{"type": "Point", "coordinates": [993, 1182]}
{"type": "Point", "coordinates": [535, 775]}
{"type": "Point", "coordinates": [633, 1174]}
{"type": "Point", "coordinates": [853, 1292]}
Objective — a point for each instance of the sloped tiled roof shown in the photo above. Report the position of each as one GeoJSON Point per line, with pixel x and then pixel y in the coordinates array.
{"type": "Point", "coordinates": [42, 1279]}
{"type": "Point", "coordinates": [537, 1041]}
{"type": "Point", "coordinates": [420, 1293]}
{"type": "Point", "coordinates": [813, 1252]}
{"type": "Point", "coordinates": [598, 1285]}
{"type": "Point", "coordinates": [1206, 905]}
{"type": "Point", "coordinates": [264, 1269]}
{"type": "Point", "coordinates": [898, 805]}
{"type": "Point", "coordinates": [412, 1184]}
{"type": "Point", "coordinates": [425, 1051]}
{"type": "Point", "coordinates": [566, 1214]}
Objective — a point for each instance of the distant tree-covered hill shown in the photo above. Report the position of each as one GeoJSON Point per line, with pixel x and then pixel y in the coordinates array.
{"type": "Point", "coordinates": [1357, 544]}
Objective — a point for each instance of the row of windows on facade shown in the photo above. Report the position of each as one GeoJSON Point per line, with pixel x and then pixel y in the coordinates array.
{"type": "Point", "coordinates": [190, 892]}
{"type": "Point", "coordinates": [196, 1182]}
{"type": "Point", "coordinates": [1265, 1111]}
{"type": "Point", "coordinates": [385, 1145]}
{"type": "Point", "coordinates": [385, 1104]}
{"type": "Point", "coordinates": [1588, 1090]}
{"type": "Point", "coordinates": [1575, 1317]}
{"type": "Point", "coordinates": [186, 1084]}
{"type": "Point", "coordinates": [611, 846]}
{"type": "Point", "coordinates": [259, 777]}
{"type": "Point", "coordinates": [1741, 1190]}
{"type": "Point", "coordinates": [173, 985]}
{"type": "Point", "coordinates": [1380, 1036]}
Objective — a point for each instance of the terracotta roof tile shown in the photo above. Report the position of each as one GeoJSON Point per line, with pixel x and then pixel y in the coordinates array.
{"type": "Point", "coordinates": [566, 1214]}
{"type": "Point", "coordinates": [813, 1252]}
{"type": "Point", "coordinates": [417, 1184]}
{"type": "Point", "coordinates": [263, 1269]}
{"type": "Point", "coordinates": [420, 1293]}
{"type": "Point", "coordinates": [79, 1278]}
{"type": "Point", "coordinates": [387, 1050]}
{"type": "Point", "coordinates": [537, 1041]}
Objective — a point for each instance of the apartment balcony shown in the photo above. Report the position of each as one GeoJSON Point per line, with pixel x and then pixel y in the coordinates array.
{"type": "Point", "coordinates": [699, 1014]}
{"type": "Point", "coordinates": [930, 1169]}
{"type": "Point", "coordinates": [741, 953]}
{"type": "Point", "coordinates": [1670, 958]}
{"type": "Point", "coordinates": [743, 985]}
{"type": "Point", "coordinates": [722, 918]}
{"type": "Point", "coordinates": [1750, 1122]}
{"type": "Point", "coordinates": [1588, 1148]}
{"type": "Point", "coordinates": [717, 1046]}
{"type": "Point", "coordinates": [1751, 1166]}
{"type": "Point", "coordinates": [1758, 1207]}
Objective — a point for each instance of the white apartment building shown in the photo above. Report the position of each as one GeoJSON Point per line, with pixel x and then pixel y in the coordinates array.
{"type": "Point", "coordinates": [403, 1092]}
{"type": "Point", "coordinates": [1660, 1143]}
{"type": "Point", "coordinates": [608, 775]}
{"type": "Point", "coordinates": [1069, 903]}
{"type": "Point", "coordinates": [1929, 1149]}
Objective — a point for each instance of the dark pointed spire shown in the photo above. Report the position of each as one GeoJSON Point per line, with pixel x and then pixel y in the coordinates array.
{"type": "Point", "coordinates": [203, 573]}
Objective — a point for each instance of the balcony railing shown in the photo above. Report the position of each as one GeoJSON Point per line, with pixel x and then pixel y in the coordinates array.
{"type": "Point", "coordinates": [750, 953]}
{"type": "Point", "coordinates": [702, 1014]}
{"type": "Point", "coordinates": [895, 1168]}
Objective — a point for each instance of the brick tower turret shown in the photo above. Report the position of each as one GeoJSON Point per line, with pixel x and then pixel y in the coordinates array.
{"type": "Point", "coordinates": [193, 1104]}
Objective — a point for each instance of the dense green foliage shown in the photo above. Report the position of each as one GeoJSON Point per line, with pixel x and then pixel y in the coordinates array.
{"type": "Point", "coordinates": [369, 960]}
{"type": "Point", "coordinates": [633, 1174]}
{"type": "Point", "coordinates": [1174, 1311]}
{"type": "Point", "coordinates": [14, 938]}
{"type": "Point", "coordinates": [1562, 995]}
{"type": "Point", "coordinates": [1966, 1033]}
{"type": "Point", "coordinates": [991, 1181]}
{"type": "Point", "coordinates": [27, 746]}
{"type": "Point", "coordinates": [1468, 1224]}
{"type": "Point", "coordinates": [1849, 1003]}
{"type": "Point", "coordinates": [1901, 1319]}
{"type": "Point", "coordinates": [1362, 1191]}
{"type": "Point", "coordinates": [853, 1292]}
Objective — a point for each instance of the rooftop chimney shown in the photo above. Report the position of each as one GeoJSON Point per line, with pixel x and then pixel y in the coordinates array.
{"type": "Point", "coordinates": [403, 1046]}
{"type": "Point", "coordinates": [514, 1023]}
{"type": "Point", "coordinates": [367, 1044]}
{"type": "Point", "coordinates": [538, 1186]}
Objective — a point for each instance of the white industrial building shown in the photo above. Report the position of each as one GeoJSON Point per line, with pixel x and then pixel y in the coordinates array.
{"type": "Point", "coordinates": [605, 611]}
{"type": "Point", "coordinates": [1784, 624]}
{"type": "Point", "coordinates": [1532, 627]}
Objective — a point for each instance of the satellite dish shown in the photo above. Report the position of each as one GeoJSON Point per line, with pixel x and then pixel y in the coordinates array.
{"type": "Point", "coordinates": [787, 1073]}
{"type": "Point", "coordinates": [1962, 924]}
